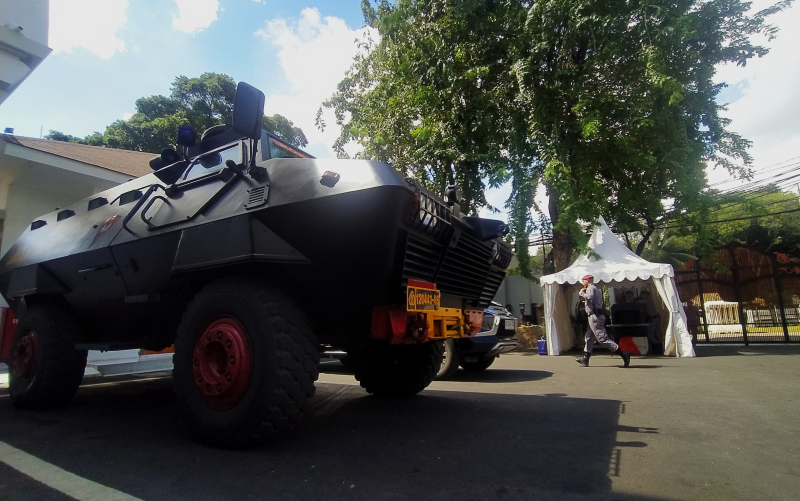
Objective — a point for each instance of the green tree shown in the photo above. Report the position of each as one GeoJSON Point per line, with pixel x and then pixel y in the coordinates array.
{"type": "Point", "coordinates": [285, 129]}
{"type": "Point", "coordinates": [623, 109]}
{"type": "Point", "coordinates": [434, 97]}
{"type": "Point", "coordinates": [94, 139]}
{"type": "Point", "coordinates": [610, 104]}
{"type": "Point", "coordinates": [141, 133]}
{"type": "Point", "coordinates": [201, 102]}
{"type": "Point", "coordinates": [207, 100]}
{"type": "Point", "coordinates": [55, 135]}
{"type": "Point", "coordinates": [766, 219]}
{"type": "Point", "coordinates": [668, 247]}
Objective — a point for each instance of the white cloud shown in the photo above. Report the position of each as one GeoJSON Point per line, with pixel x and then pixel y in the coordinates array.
{"type": "Point", "coordinates": [126, 116]}
{"type": "Point", "coordinates": [767, 111]}
{"type": "Point", "coordinates": [195, 15]}
{"type": "Point", "coordinates": [87, 24]}
{"type": "Point", "coordinates": [314, 55]}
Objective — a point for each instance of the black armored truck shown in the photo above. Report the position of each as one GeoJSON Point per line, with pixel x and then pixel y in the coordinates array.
{"type": "Point", "coordinates": [250, 257]}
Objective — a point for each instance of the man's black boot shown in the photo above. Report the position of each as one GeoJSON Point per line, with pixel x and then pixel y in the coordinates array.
{"type": "Point", "coordinates": [584, 362]}
{"type": "Point", "coordinates": [626, 356]}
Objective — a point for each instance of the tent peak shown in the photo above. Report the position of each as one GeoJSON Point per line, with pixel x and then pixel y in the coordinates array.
{"type": "Point", "coordinates": [616, 261]}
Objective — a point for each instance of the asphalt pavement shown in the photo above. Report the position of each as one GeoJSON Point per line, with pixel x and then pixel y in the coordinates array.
{"type": "Point", "coordinates": [722, 426]}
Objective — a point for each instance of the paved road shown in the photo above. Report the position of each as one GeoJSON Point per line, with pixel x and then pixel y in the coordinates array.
{"type": "Point", "coordinates": [722, 426]}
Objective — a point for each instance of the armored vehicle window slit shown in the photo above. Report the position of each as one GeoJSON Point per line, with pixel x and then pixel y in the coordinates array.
{"type": "Point", "coordinates": [97, 202]}
{"type": "Point", "coordinates": [64, 214]}
{"type": "Point", "coordinates": [130, 196]}
{"type": "Point", "coordinates": [279, 149]}
{"type": "Point", "coordinates": [213, 162]}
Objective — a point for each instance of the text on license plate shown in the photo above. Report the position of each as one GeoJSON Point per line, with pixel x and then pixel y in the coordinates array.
{"type": "Point", "coordinates": [509, 324]}
{"type": "Point", "coordinates": [418, 299]}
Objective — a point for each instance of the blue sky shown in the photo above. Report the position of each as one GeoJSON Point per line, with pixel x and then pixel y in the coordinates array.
{"type": "Point", "coordinates": [100, 64]}
{"type": "Point", "coordinates": [296, 52]}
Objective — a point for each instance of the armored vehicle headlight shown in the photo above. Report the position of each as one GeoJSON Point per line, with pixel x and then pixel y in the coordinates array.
{"type": "Point", "coordinates": [488, 322]}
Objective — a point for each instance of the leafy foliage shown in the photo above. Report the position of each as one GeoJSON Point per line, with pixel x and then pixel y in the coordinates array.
{"type": "Point", "coordinates": [434, 97]}
{"type": "Point", "coordinates": [285, 129]}
{"type": "Point", "coordinates": [610, 104]}
{"type": "Point", "coordinates": [668, 248]}
{"type": "Point", "coordinates": [201, 102]}
{"type": "Point", "coordinates": [95, 139]}
{"type": "Point", "coordinates": [623, 108]}
{"type": "Point", "coordinates": [767, 220]}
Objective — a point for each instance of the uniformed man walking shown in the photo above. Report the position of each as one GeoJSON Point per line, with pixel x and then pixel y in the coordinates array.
{"type": "Point", "coordinates": [597, 330]}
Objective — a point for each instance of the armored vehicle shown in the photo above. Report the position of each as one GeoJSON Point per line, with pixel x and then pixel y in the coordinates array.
{"type": "Point", "coordinates": [249, 256]}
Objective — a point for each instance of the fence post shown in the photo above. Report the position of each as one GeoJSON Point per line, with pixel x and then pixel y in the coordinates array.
{"type": "Point", "coordinates": [738, 289]}
{"type": "Point", "coordinates": [779, 291]}
{"type": "Point", "coordinates": [702, 299]}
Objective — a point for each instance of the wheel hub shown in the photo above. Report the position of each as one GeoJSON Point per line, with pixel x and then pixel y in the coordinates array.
{"type": "Point", "coordinates": [222, 363]}
{"type": "Point", "coordinates": [25, 357]}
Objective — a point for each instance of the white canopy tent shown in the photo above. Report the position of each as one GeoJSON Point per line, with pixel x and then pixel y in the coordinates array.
{"type": "Point", "coordinates": [616, 263]}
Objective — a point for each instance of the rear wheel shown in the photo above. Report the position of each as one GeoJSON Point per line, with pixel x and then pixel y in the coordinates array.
{"type": "Point", "coordinates": [245, 363]}
{"type": "Point", "coordinates": [479, 365]}
{"type": "Point", "coordinates": [450, 360]}
{"type": "Point", "coordinates": [397, 370]}
{"type": "Point", "coordinates": [45, 369]}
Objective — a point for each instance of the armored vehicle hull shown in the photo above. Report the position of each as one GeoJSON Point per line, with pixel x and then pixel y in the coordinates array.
{"type": "Point", "coordinates": [249, 263]}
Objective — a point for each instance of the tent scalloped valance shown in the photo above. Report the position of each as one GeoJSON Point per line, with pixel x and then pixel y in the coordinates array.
{"type": "Point", "coordinates": [617, 263]}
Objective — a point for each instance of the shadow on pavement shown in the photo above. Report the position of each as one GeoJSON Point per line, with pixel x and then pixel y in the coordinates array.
{"type": "Point", "coordinates": [437, 445]}
{"type": "Point", "coordinates": [489, 375]}
{"type": "Point", "coordinates": [500, 376]}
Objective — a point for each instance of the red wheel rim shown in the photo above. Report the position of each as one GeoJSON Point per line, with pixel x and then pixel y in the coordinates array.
{"type": "Point", "coordinates": [25, 357]}
{"type": "Point", "coordinates": [222, 363]}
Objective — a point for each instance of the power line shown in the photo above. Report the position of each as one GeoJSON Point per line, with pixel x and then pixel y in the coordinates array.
{"type": "Point", "coordinates": [764, 170]}
{"type": "Point", "coordinates": [733, 219]}
{"type": "Point", "coordinates": [785, 174]}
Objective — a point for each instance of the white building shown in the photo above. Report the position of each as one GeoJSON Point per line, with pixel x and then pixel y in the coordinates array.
{"type": "Point", "coordinates": [23, 41]}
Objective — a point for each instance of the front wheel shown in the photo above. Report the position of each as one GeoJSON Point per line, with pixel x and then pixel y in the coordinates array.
{"type": "Point", "coordinates": [450, 360]}
{"type": "Point", "coordinates": [479, 365]}
{"type": "Point", "coordinates": [45, 369]}
{"type": "Point", "coordinates": [245, 363]}
{"type": "Point", "coordinates": [397, 370]}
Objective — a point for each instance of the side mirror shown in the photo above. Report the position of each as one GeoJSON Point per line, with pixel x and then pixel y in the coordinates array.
{"type": "Point", "coordinates": [248, 111]}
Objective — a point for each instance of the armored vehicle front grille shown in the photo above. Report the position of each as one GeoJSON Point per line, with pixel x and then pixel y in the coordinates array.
{"type": "Point", "coordinates": [431, 218]}
{"type": "Point", "coordinates": [493, 282]}
{"type": "Point", "coordinates": [422, 259]}
{"type": "Point", "coordinates": [503, 256]}
{"type": "Point", "coordinates": [465, 267]}
{"type": "Point", "coordinates": [465, 270]}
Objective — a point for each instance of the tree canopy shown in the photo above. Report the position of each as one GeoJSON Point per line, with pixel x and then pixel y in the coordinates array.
{"type": "Point", "coordinates": [611, 105]}
{"type": "Point", "coordinates": [767, 219]}
{"type": "Point", "coordinates": [201, 102]}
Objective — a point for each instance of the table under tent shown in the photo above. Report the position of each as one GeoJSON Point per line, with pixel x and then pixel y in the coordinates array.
{"type": "Point", "coordinates": [613, 265]}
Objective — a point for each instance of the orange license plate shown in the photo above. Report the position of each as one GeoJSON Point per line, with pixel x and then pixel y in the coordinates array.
{"type": "Point", "coordinates": [420, 299]}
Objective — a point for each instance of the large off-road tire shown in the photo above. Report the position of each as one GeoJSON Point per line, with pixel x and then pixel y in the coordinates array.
{"type": "Point", "coordinates": [450, 360]}
{"type": "Point", "coordinates": [245, 363]}
{"type": "Point", "coordinates": [480, 365]}
{"type": "Point", "coordinates": [397, 370]}
{"type": "Point", "coordinates": [45, 369]}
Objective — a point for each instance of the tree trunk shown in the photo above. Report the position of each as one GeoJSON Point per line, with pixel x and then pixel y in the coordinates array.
{"type": "Point", "coordinates": [562, 242]}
